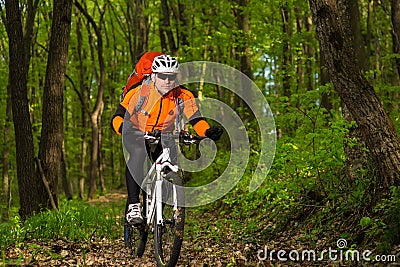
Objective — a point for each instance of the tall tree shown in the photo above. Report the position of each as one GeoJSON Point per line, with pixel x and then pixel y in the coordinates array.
{"type": "Point", "coordinates": [184, 26]}
{"type": "Point", "coordinates": [134, 26]}
{"type": "Point", "coordinates": [358, 95]}
{"type": "Point", "coordinates": [243, 53]}
{"type": "Point", "coordinates": [140, 28]}
{"type": "Point", "coordinates": [84, 99]}
{"type": "Point", "coordinates": [396, 45]}
{"type": "Point", "coordinates": [396, 31]}
{"type": "Point", "coordinates": [303, 66]}
{"type": "Point", "coordinates": [244, 48]}
{"type": "Point", "coordinates": [95, 115]}
{"type": "Point", "coordinates": [168, 42]}
{"type": "Point", "coordinates": [356, 156]}
{"type": "Point", "coordinates": [29, 185]}
{"type": "Point", "coordinates": [6, 152]}
{"type": "Point", "coordinates": [286, 55]}
{"type": "Point", "coordinates": [7, 138]}
{"type": "Point", "coordinates": [51, 140]}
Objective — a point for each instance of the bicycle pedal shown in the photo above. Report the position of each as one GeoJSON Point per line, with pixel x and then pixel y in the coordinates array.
{"type": "Point", "coordinates": [136, 224]}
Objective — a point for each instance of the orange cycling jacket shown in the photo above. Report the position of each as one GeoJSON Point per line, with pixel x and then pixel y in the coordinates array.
{"type": "Point", "coordinates": [158, 112]}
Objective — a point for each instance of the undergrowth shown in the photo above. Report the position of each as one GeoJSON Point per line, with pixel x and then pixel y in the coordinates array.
{"type": "Point", "coordinates": [75, 221]}
{"type": "Point", "coordinates": [306, 196]}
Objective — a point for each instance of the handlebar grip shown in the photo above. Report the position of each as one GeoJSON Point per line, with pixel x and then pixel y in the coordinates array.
{"type": "Point", "coordinates": [184, 137]}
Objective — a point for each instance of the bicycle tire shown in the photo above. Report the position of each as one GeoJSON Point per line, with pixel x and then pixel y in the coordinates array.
{"type": "Point", "coordinates": [135, 238]}
{"type": "Point", "coordinates": [168, 237]}
{"type": "Point", "coordinates": [141, 242]}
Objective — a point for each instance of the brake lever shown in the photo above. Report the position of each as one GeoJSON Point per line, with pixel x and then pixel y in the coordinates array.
{"type": "Point", "coordinates": [151, 138]}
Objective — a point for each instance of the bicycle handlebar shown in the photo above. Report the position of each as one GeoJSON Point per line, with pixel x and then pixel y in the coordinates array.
{"type": "Point", "coordinates": [156, 135]}
{"type": "Point", "coordinates": [183, 137]}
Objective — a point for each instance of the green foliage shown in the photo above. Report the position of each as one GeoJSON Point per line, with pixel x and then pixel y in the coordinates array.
{"type": "Point", "coordinates": [75, 221]}
{"type": "Point", "coordinates": [314, 154]}
{"type": "Point", "coordinates": [384, 226]}
{"type": "Point", "coordinates": [306, 180]}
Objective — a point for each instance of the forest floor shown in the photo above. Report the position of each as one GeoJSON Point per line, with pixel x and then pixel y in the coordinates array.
{"type": "Point", "coordinates": [210, 240]}
{"type": "Point", "coordinates": [205, 244]}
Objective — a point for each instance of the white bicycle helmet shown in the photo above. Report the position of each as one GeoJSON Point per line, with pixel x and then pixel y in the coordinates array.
{"type": "Point", "coordinates": [165, 63]}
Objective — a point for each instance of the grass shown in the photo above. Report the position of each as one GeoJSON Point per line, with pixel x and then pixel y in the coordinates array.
{"type": "Point", "coordinates": [75, 221]}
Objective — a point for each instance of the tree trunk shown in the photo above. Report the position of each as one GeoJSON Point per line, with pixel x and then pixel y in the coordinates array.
{"type": "Point", "coordinates": [137, 27]}
{"type": "Point", "coordinates": [287, 58]}
{"type": "Point", "coordinates": [66, 184]}
{"type": "Point", "coordinates": [396, 31]}
{"type": "Point", "coordinates": [286, 61]}
{"type": "Point", "coordinates": [142, 26]}
{"type": "Point", "coordinates": [101, 156]}
{"type": "Point", "coordinates": [28, 30]}
{"type": "Point", "coordinates": [243, 53]}
{"type": "Point", "coordinates": [98, 108]}
{"type": "Point", "coordinates": [184, 27]}
{"type": "Point", "coordinates": [304, 72]}
{"type": "Point", "coordinates": [166, 28]}
{"type": "Point", "coordinates": [324, 79]}
{"type": "Point", "coordinates": [51, 140]}
{"type": "Point", "coordinates": [83, 165]}
{"type": "Point", "coordinates": [94, 159]}
{"type": "Point", "coordinates": [244, 48]}
{"type": "Point", "coordinates": [112, 144]}
{"type": "Point", "coordinates": [29, 185]}
{"type": "Point", "coordinates": [358, 95]}
{"type": "Point", "coordinates": [356, 156]}
{"type": "Point", "coordinates": [396, 46]}
{"type": "Point", "coordinates": [83, 92]}
{"type": "Point", "coordinates": [6, 153]}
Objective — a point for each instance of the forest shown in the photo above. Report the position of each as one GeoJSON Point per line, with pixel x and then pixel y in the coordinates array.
{"type": "Point", "coordinates": [329, 71]}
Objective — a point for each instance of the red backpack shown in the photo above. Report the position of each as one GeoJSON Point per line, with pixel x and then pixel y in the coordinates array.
{"type": "Point", "coordinates": [142, 70]}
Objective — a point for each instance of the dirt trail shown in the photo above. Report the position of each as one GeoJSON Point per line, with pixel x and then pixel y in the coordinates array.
{"type": "Point", "coordinates": [113, 253]}
{"type": "Point", "coordinates": [204, 250]}
{"type": "Point", "coordinates": [208, 241]}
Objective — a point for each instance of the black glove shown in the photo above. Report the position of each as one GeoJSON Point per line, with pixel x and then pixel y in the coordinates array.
{"type": "Point", "coordinates": [120, 128]}
{"type": "Point", "coordinates": [214, 133]}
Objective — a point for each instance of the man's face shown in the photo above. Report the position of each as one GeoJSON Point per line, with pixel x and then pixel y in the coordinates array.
{"type": "Point", "coordinates": [164, 81]}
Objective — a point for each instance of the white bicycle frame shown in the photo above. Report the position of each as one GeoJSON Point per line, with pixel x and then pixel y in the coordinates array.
{"type": "Point", "coordinates": [154, 197]}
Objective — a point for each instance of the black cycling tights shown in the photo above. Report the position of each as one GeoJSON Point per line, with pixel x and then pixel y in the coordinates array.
{"type": "Point", "coordinates": [139, 151]}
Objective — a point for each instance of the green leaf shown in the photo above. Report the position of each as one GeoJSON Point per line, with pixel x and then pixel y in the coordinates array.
{"type": "Point", "coordinates": [365, 221]}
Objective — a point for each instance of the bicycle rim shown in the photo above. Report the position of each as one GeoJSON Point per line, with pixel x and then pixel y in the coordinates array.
{"type": "Point", "coordinates": [168, 237]}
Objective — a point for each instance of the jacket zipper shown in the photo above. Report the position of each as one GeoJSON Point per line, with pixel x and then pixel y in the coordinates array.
{"type": "Point", "coordinates": [159, 114]}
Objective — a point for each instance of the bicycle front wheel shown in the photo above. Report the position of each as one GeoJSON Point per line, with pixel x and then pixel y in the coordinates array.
{"type": "Point", "coordinates": [135, 238]}
{"type": "Point", "coordinates": [168, 236]}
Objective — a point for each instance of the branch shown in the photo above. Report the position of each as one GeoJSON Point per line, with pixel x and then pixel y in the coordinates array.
{"type": "Point", "coordinates": [46, 183]}
{"type": "Point", "coordinates": [79, 95]}
{"type": "Point", "coordinates": [88, 17]}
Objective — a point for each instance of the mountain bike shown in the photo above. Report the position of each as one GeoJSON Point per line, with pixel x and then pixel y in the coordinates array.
{"type": "Point", "coordinates": [163, 203]}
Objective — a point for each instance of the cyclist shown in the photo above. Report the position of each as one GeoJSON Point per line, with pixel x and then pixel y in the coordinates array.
{"type": "Point", "coordinates": [154, 105]}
